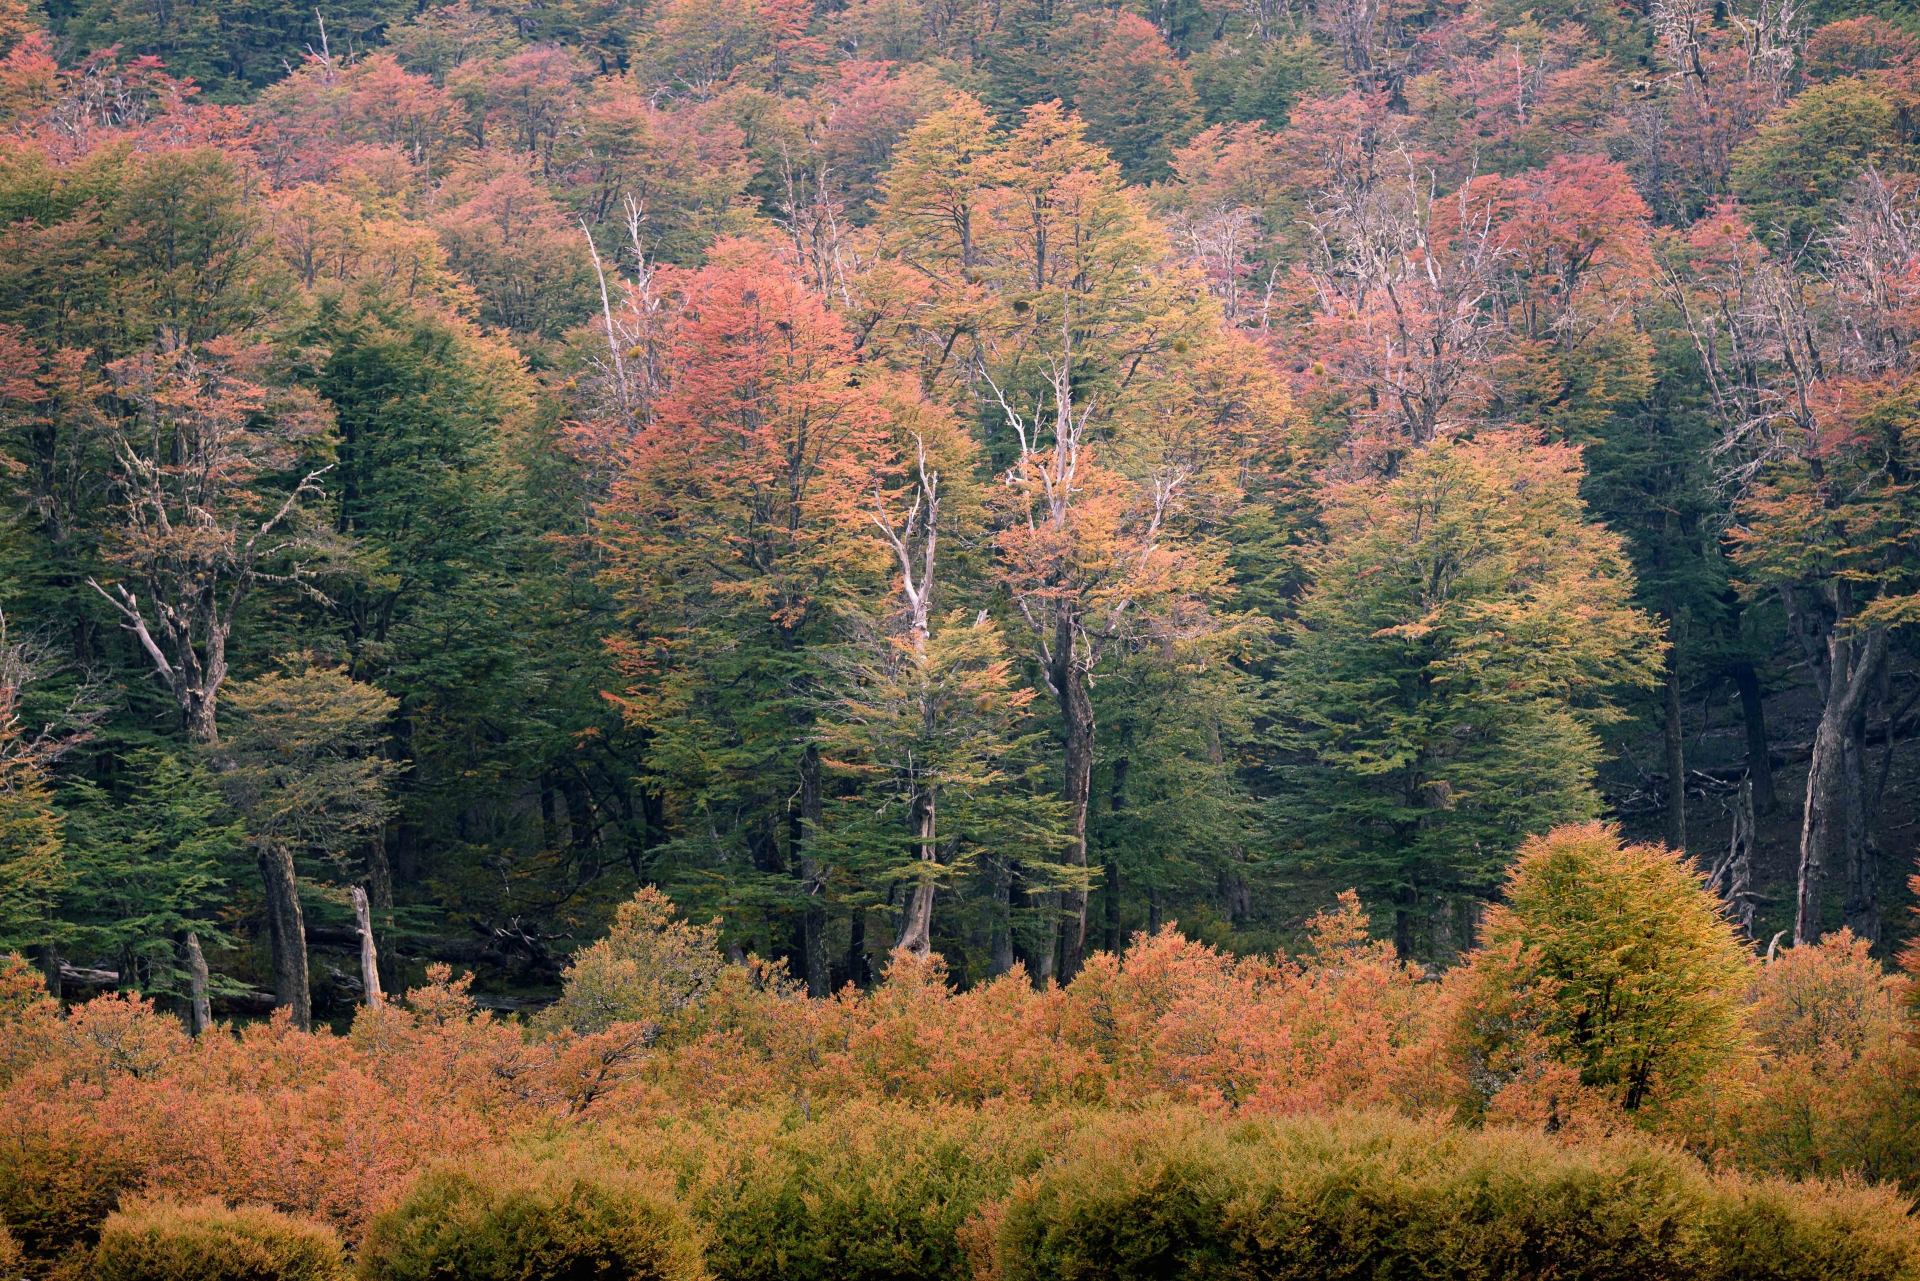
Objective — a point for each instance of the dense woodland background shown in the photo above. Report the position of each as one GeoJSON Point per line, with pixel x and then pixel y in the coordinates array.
{"type": "Point", "coordinates": [983, 477]}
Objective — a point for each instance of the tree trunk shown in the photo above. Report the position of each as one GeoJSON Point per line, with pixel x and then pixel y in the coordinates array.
{"type": "Point", "coordinates": [50, 970]}
{"type": "Point", "coordinates": [288, 934]}
{"type": "Point", "coordinates": [1676, 749]}
{"type": "Point", "coordinates": [199, 1008]}
{"type": "Point", "coordinates": [1116, 802]}
{"type": "Point", "coordinates": [379, 872]}
{"type": "Point", "coordinates": [1824, 822]}
{"type": "Point", "coordinates": [857, 949]}
{"type": "Point", "coordinates": [813, 881]}
{"type": "Point", "coordinates": [1862, 903]}
{"type": "Point", "coordinates": [1076, 712]}
{"type": "Point", "coordinates": [369, 956]}
{"type": "Point", "coordinates": [916, 934]}
{"type": "Point", "coordinates": [1000, 945]}
{"type": "Point", "coordinates": [1045, 959]}
{"type": "Point", "coordinates": [1440, 929]}
{"type": "Point", "coordinates": [1759, 753]}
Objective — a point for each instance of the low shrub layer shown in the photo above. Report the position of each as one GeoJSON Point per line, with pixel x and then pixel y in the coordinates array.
{"type": "Point", "coordinates": [1379, 1197]}
{"type": "Point", "coordinates": [862, 1192]}
{"type": "Point", "coordinates": [511, 1217]}
{"type": "Point", "coordinates": [206, 1241]}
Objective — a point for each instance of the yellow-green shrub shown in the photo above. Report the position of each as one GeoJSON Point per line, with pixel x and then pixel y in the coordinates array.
{"type": "Point", "coordinates": [1378, 1196]}
{"type": "Point", "coordinates": [507, 1216]}
{"type": "Point", "coordinates": [859, 1192]}
{"type": "Point", "coordinates": [206, 1241]}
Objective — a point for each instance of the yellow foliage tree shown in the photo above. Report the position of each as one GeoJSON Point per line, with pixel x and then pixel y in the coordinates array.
{"type": "Point", "coordinates": [1639, 973]}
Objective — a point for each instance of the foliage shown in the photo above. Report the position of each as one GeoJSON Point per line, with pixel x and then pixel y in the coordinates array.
{"type": "Point", "coordinates": [1441, 708]}
{"type": "Point", "coordinates": [1831, 1089]}
{"type": "Point", "coordinates": [150, 865]}
{"type": "Point", "coordinates": [946, 490]}
{"type": "Point", "coordinates": [648, 969]}
{"type": "Point", "coordinates": [863, 1190]}
{"type": "Point", "coordinates": [498, 1217]}
{"type": "Point", "coordinates": [1372, 1195]}
{"type": "Point", "coordinates": [1637, 969]}
{"type": "Point", "coordinates": [166, 1241]}
{"type": "Point", "coordinates": [304, 765]}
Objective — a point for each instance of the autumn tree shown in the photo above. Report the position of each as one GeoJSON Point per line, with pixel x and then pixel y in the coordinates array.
{"type": "Point", "coordinates": [1638, 971]}
{"type": "Point", "coordinates": [1135, 96]}
{"type": "Point", "coordinates": [1118, 433]}
{"type": "Point", "coordinates": [649, 968]}
{"type": "Point", "coordinates": [200, 523]}
{"type": "Point", "coordinates": [1828, 527]}
{"type": "Point", "coordinates": [926, 712]}
{"type": "Point", "coordinates": [733, 530]}
{"type": "Point", "coordinates": [1100, 547]}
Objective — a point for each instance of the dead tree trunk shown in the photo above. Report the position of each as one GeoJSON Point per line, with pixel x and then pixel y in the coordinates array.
{"type": "Point", "coordinates": [369, 957]}
{"type": "Point", "coordinates": [916, 934]}
{"type": "Point", "coordinates": [1852, 661]}
{"type": "Point", "coordinates": [288, 934]}
{"type": "Point", "coordinates": [199, 1008]}
{"type": "Point", "coordinates": [1733, 879]}
{"type": "Point", "coordinates": [1076, 711]}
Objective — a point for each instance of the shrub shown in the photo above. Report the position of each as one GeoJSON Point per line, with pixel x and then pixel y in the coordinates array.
{"type": "Point", "coordinates": [1379, 1196]}
{"type": "Point", "coordinates": [12, 1258]}
{"type": "Point", "coordinates": [862, 1192]}
{"type": "Point", "coordinates": [206, 1241]}
{"type": "Point", "coordinates": [505, 1216]}
{"type": "Point", "coordinates": [1833, 1084]}
{"type": "Point", "coordinates": [64, 1164]}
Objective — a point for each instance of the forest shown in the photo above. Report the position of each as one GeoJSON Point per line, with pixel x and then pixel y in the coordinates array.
{"type": "Point", "coordinates": [959, 638]}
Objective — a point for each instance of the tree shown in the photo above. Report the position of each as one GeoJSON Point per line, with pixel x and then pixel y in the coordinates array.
{"type": "Point", "coordinates": [1641, 973]}
{"type": "Point", "coordinates": [1465, 628]}
{"type": "Point", "coordinates": [1792, 175]}
{"type": "Point", "coordinates": [733, 532]}
{"type": "Point", "coordinates": [199, 525]}
{"type": "Point", "coordinates": [509, 240]}
{"type": "Point", "coordinates": [1134, 95]}
{"type": "Point", "coordinates": [926, 713]}
{"type": "Point", "coordinates": [303, 770]}
{"type": "Point", "coordinates": [150, 865]}
{"type": "Point", "coordinates": [649, 968]}
{"type": "Point", "coordinates": [33, 868]}
{"type": "Point", "coordinates": [1120, 424]}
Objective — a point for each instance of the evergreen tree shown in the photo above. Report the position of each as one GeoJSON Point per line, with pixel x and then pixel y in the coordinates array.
{"type": "Point", "coordinates": [1464, 632]}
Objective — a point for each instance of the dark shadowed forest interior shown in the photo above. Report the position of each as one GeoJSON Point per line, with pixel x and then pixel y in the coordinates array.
{"type": "Point", "coordinates": [1016, 560]}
